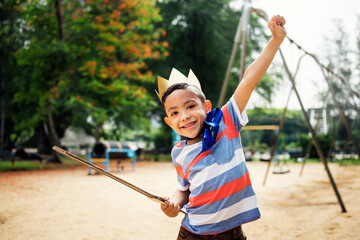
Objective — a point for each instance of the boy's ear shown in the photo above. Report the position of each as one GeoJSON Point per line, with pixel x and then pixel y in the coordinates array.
{"type": "Point", "coordinates": [208, 106]}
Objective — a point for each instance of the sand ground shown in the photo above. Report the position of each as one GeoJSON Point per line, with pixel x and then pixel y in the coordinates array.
{"type": "Point", "coordinates": [69, 204]}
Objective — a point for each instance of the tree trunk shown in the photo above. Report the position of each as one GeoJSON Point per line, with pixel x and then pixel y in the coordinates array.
{"type": "Point", "coordinates": [2, 117]}
{"type": "Point", "coordinates": [53, 137]}
{"type": "Point", "coordinates": [97, 132]}
{"type": "Point", "coordinates": [60, 18]}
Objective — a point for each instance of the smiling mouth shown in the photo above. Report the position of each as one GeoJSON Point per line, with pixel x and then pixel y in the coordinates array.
{"type": "Point", "coordinates": [189, 125]}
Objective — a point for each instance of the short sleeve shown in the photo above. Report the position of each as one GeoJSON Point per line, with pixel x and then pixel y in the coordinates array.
{"type": "Point", "coordinates": [232, 111]}
{"type": "Point", "coordinates": [183, 183]}
{"type": "Point", "coordinates": [182, 180]}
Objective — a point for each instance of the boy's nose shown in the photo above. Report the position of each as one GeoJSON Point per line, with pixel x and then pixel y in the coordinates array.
{"type": "Point", "coordinates": [185, 116]}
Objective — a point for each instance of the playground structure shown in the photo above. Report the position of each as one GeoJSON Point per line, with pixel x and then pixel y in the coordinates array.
{"type": "Point", "coordinates": [106, 151]}
{"type": "Point", "coordinates": [279, 168]}
{"type": "Point", "coordinates": [240, 37]}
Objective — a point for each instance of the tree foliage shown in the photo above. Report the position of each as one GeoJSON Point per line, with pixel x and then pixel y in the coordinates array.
{"type": "Point", "coordinates": [294, 126]}
{"type": "Point", "coordinates": [92, 76]}
{"type": "Point", "coordinates": [340, 62]}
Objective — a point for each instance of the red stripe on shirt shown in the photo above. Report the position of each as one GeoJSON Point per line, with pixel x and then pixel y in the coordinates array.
{"type": "Point", "coordinates": [180, 171]}
{"type": "Point", "coordinates": [179, 145]}
{"type": "Point", "coordinates": [222, 192]}
{"type": "Point", "coordinates": [195, 160]}
{"type": "Point", "coordinates": [230, 130]}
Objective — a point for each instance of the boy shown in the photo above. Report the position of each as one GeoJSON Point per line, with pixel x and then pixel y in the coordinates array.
{"type": "Point", "coordinates": [215, 187]}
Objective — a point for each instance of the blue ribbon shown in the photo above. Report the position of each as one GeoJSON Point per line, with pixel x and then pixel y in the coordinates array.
{"type": "Point", "coordinates": [211, 128]}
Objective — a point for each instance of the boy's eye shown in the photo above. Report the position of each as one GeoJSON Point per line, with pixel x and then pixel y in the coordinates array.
{"type": "Point", "coordinates": [173, 113]}
{"type": "Point", "coordinates": [191, 106]}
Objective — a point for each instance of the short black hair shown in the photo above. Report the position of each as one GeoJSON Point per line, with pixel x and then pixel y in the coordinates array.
{"type": "Point", "coordinates": [177, 86]}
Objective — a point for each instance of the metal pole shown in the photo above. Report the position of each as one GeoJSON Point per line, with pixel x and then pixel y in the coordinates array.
{"type": "Point", "coordinates": [242, 27]}
{"type": "Point", "coordinates": [243, 43]}
{"type": "Point", "coordinates": [316, 141]}
{"type": "Point", "coordinates": [231, 62]}
{"type": "Point", "coordinates": [310, 141]}
{"type": "Point", "coordinates": [282, 121]}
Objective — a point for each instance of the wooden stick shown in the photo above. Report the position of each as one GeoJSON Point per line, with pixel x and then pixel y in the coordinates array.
{"type": "Point", "coordinates": [122, 181]}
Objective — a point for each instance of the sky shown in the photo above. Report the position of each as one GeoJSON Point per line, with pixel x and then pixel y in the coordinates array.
{"type": "Point", "coordinates": [309, 23]}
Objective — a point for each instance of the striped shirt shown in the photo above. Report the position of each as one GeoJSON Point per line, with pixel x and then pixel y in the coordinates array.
{"type": "Point", "coordinates": [221, 195]}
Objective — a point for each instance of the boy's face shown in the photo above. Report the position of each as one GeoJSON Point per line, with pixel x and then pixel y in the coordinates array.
{"type": "Point", "coordinates": [186, 113]}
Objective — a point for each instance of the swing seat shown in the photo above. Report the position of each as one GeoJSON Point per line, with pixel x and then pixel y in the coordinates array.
{"type": "Point", "coordinates": [281, 171]}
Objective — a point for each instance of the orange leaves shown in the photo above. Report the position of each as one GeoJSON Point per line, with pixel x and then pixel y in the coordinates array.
{"type": "Point", "coordinates": [116, 14]}
{"type": "Point", "coordinates": [74, 16]}
{"type": "Point", "coordinates": [133, 50]}
{"type": "Point", "coordinates": [125, 90]}
{"type": "Point", "coordinates": [77, 14]}
{"type": "Point", "coordinates": [90, 67]}
{"type": "Point", "coordinates": [147, 51]}
{"type": "Point", "coordinates": [109, 49]}
{"type": "Point", "coordinates": [99, 19]}
{"type": "Point", "coordinates": [156, 54]}
{"type": "Point", "coordinates": [53, 89]}
{"type": "Point", "coordinates": [155, 14]}
{"type": "Point", "coordinates": [109, 72]}
{"type": "Point", "coordinates": [54, 93]}
{"type": "Point", "coordinates": [163, 32]}
{"type": "Point", "coordinates": [144, 12]}
{"type": "Point", "coordinates": [121, 36]}
{"type": "Point", "coordinates": [129, 71]}
{"type": "Point", "coordinates": [127, 4]}
{"type": "Point", "coordinates": [90, 64]}
{"type": "Point", "coordinates": [139, 92]}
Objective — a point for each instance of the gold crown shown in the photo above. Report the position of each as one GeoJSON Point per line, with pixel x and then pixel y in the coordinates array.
{"type": "Point", "coordinates": [176, 77]}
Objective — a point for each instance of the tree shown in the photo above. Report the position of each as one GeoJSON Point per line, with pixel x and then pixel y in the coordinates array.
{"type": "Point", "coordinates": [92, 74]}
{"type": "Point", "coordinates": [12, 37]}
{"type": "Point", "coordinates": [340, 63]}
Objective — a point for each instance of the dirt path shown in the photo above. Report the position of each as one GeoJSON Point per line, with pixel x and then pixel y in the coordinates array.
{"type": "Point", "coordinates": [69, 204]}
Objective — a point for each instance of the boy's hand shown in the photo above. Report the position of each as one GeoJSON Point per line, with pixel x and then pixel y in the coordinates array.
{"type": "Point", "coordinates": [276, 25]}
{"type": "Point", "coordinates": [170, 209]}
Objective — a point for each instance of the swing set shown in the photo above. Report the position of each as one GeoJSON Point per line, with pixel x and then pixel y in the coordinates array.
{"type": "Point", "coordinates": [279, 167]}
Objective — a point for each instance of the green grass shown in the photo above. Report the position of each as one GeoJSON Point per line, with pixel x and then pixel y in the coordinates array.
{"type": "Point", "coordinates": [346, 162]}
{"type": "Point", "coordinates": [317, 160]}
{"type": "Point", "coordinates": [22, 165]}
{"type": "Point", "coordinates": [67, 162]}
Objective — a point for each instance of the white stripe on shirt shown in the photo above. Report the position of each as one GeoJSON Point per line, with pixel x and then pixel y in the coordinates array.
{"type": "Point", "coordinates": [242, 116]}
{"type": "Point", "coordinates": [244, 205]}
{"type": "Point", "coordinates": [185, 151]}
{"type": "Point", "coordinates": [214, 170]}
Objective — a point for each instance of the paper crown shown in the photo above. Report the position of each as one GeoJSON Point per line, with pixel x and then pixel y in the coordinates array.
{"type": "Point", "coordinates": [176, 77]}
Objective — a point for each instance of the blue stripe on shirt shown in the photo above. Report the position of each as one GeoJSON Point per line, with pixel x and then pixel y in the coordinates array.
{"type": "Point", "coordinates": [218, 181]}
{"type": "Point", "coordinates": [223, 203]}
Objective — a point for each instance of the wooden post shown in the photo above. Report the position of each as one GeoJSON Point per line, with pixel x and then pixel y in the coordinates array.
{"type": "Point", "coordinates": [313, 135]}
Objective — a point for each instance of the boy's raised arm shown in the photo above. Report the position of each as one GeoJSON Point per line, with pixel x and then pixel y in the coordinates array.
{"type": "Point", "coordinates": [257, 69]}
